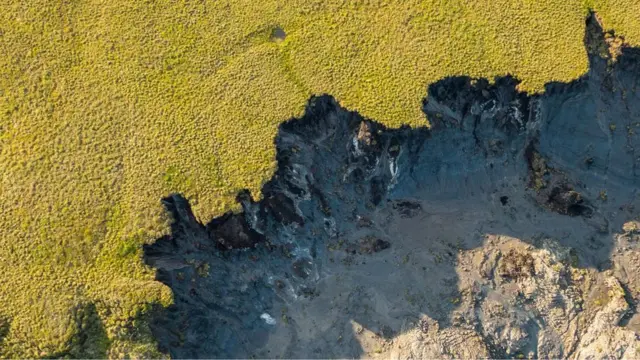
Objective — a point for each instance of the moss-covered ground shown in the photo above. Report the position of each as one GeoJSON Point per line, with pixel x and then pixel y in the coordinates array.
{"type": "Point", "coordinates": [108, 105]}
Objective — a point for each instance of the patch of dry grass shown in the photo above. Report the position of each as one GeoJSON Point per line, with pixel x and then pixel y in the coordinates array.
{"type": "Point", "coordinates": [106, 106]}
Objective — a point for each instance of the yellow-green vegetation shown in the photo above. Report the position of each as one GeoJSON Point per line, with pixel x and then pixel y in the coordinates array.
{"type": "Point", "coordinates": [106, 106]}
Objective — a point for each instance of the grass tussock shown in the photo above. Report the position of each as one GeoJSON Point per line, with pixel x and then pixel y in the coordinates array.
{"type": "Point", "coordinates": [106, 106]}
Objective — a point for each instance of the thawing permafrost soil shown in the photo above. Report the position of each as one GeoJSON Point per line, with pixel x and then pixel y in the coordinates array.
{"type": "Point", "coordinates": [105, 106]}
{"type": "Point", "coordinates": [509, 229]}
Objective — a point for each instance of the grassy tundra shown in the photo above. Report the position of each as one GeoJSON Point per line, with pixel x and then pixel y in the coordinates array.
{"type": "Point", "coordinates": [106, 106]}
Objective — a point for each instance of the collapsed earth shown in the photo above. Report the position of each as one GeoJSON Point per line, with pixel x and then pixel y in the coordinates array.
{"type": "Point", "coordinates": [509, 228]}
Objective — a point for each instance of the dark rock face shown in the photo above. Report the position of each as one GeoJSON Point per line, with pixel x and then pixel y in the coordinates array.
{"type": "Point", "coordinates": [352, 201]}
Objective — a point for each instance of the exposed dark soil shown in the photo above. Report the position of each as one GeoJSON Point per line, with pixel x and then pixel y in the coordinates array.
{"type": "Point", "coordinates": [361, 231]}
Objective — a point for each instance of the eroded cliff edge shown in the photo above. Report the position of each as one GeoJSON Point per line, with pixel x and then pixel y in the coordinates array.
{"type": "Point", "coordinates": [508, 229]}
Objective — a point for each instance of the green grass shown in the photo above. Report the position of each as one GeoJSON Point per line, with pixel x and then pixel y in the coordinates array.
{"type": "Point", "coordinates": [106, 106]}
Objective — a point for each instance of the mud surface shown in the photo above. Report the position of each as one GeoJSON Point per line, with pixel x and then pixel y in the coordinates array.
{"type": "Point", "coordinates": [507, 229]}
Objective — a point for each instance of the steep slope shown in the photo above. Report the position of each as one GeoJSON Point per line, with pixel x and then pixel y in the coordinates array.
{"type": "Point", "coordinates": [507, 229]}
